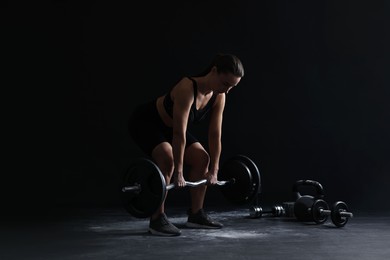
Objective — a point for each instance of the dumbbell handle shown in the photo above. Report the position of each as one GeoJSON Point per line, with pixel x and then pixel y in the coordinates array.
{"type": "Point", "coordinates": [327, 212]}
{"type": "Point", "coordinates": [346, 214]}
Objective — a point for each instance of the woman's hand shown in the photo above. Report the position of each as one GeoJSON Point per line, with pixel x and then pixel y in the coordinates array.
{"type": "Point", "coordinates": [212, 177]}
{"type": "Point", "coordinates": [179, 180]}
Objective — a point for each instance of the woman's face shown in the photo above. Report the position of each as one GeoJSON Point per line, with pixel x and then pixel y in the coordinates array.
{"type": "Point", "coordinates": [225, 82]}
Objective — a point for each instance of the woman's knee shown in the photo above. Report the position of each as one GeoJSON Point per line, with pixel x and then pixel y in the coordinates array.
{"type": "Point", "coordinates": [200, 161]}
{"type": "Point", "coordinates": [163, 157]}
{"type": "Point", "coordinates": [166, 166]}
{"type": "Point", "coordinates": [204, 160]}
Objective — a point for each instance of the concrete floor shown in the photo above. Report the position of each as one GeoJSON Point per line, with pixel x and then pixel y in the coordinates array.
{"type": "Point", "coordinates": [111, 233]}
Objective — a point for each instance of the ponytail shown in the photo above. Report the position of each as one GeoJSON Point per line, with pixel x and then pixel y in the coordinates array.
{"type": "Point", "coordinates": [225, 63]}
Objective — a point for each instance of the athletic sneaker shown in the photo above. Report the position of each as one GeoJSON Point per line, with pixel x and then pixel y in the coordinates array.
{"type": "Point", "coordinates": [201, 220]}
{"type": "Point", "coordinates": [161, 226]}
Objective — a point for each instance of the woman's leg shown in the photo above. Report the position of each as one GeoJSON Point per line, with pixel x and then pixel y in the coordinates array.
{"type": "Point", "coordinates": [163, 157]}
{"type": "Point", "coordinates": [197, 158]}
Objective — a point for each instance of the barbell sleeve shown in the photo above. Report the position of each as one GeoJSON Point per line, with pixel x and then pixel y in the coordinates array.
{"type": "Point", "coordinates": [134, 188]}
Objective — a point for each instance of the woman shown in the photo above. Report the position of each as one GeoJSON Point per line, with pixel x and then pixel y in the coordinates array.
{"type": "Point", "coordinates": [160, 129]}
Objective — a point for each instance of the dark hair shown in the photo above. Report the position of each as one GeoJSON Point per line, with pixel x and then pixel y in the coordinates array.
{"type": "Point", "coordinates": [225, 63]}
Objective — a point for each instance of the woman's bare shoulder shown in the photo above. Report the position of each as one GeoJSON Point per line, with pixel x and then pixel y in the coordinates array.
{"type": "Point", "coordinates": [183, 91]}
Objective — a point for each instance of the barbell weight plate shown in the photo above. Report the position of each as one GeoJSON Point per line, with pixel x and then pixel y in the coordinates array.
{"type": "Point", "coordinates": [242, 189]}
{"type": "Point", "coordinates": [337, 219]}
{"type": "Point", "coordinates": [145, 173]}
{"type": "Point", "coordinates": [316, 208]}
{"type": "Point", "coordinates": [255, 173]}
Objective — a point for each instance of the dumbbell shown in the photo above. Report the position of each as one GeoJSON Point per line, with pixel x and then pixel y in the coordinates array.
{"type": "Point", "coordinates": [284, 210]}
{"type": "Point", "coordinates": [258, 212]}
{"type": "Point", "coordinates": [339, 212]}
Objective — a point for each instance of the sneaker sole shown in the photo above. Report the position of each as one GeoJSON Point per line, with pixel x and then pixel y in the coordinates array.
{"type": "Point", "coordinates": [158, 233]}
{"type": "Point", "coordinates": [194, 225]}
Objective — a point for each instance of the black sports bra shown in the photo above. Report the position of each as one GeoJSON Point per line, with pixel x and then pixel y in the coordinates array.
{"type": "Point", "coordinates": [196, 115]}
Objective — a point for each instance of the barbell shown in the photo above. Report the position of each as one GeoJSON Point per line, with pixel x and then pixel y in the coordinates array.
{"type": "Point", "coordinates": [144, 188]}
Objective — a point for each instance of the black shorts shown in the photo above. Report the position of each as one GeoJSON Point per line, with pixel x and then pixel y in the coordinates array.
{"type": "Point", "coordinates": [148, 130]}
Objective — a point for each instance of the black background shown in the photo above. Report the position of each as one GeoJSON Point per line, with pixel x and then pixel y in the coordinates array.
{"type": "Point", "coordinates": [314, 102]}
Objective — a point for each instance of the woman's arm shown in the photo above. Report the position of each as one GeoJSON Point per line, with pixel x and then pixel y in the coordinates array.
{"type": "Point", "coordinates": [183, 97]}
{"type": "Point", "coordinates": [215, 134]}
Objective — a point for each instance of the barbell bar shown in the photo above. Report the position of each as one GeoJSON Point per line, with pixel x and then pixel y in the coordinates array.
{"type": "Point", "coordinates": [137, 188]}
